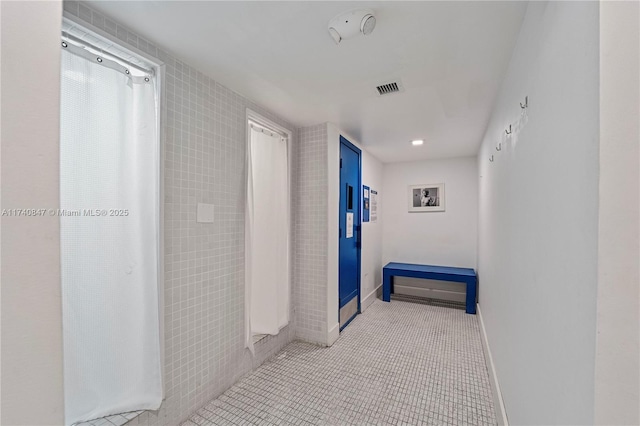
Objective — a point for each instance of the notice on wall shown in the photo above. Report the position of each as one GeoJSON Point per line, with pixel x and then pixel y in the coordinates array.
{"type": "Point", "coordinates": [365, 203]}
{"type": "Point", "coordinates": [349, 231]}
{"type": "Point", "coordinates": [373, 205]}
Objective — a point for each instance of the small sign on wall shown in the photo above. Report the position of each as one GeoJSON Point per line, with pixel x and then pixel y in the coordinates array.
{"type": "Point", "coordinates": [373, 203]}
{"type": "Point", "coordinates": [365, 203]}
{"type": "Point", "coordinates": [349, 232]}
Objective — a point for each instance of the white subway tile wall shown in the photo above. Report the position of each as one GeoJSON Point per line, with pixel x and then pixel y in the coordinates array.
{"type": "Point", "coordinates": [203, 131]}
{"type": "Point", "coordinates": [310, 268]}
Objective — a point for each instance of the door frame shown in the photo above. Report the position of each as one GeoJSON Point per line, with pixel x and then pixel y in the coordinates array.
{"type": "Point", "coordinates": [346, 143]}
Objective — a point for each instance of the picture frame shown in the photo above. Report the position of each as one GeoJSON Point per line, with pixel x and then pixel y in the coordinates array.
{"type": "Point", "coordinates": [426, 197]}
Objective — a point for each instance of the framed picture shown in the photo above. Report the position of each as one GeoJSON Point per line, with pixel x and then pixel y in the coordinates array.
{"type": "Point", "coordinates": [426, 198]}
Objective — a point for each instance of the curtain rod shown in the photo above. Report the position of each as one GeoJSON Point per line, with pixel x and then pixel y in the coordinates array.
{"type": "Point", "coordinates": [262, 127]}
{"type": "Point", "coordinates": [85, 44]}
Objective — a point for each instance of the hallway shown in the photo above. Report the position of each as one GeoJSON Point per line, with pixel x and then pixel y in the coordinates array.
{"type": "Point", "coordinates": [397, 363]}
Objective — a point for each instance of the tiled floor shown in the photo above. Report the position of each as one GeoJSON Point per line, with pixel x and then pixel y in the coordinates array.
{"type": "Point", "coordinates": [399, 363]}
{"type": "Point", "coordinates": [115, 420]}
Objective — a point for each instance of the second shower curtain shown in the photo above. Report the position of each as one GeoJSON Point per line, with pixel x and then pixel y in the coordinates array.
{"type": "Point", "coordinates": [266, 234]}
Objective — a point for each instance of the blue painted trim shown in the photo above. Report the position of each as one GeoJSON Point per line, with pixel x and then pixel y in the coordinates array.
{"type": "Point", "coordinates": [432, 272]}
{"type": "Point", "coordinates": [349, 298]}
{"type": "Point", "coordinates": [358, 151]}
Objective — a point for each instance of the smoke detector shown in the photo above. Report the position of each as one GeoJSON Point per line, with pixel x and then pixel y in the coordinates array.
{"type": "Point", "coordinates": [349, 24]}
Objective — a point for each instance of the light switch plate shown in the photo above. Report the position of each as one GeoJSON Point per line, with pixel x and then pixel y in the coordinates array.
{"type": "Point", "coordinates": [204, 213]}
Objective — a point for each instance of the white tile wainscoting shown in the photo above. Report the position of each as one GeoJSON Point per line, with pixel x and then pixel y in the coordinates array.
{"type": "Point", "coordinates": [204, 136]}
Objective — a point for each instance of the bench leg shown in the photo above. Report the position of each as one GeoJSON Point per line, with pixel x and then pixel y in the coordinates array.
{"type": "Point", "coordinates": [386, 286]}
{"type": "Point", "coordinates": [472, 286]}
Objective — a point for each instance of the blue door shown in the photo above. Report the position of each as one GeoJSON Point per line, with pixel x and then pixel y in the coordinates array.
{"type": "Point", "coordinates": [349, 268]}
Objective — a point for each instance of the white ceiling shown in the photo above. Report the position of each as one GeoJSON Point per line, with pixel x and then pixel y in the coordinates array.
{"type": "Point", "coordinates": [450, 57]}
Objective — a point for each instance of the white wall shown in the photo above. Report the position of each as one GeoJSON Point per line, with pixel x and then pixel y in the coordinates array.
{"type": "Point", "coordinates": [371, 268]}
{"type": "Point", "coordinates": [446, 238]}
{"type": "Point", "coordinates": [371, 260]}
{"type": "Point", "coordinates": [617, 376]}
{"type": "Point", "coordinates": [539, 219]}
{"type": "Point", "coordinates": [32, 383]}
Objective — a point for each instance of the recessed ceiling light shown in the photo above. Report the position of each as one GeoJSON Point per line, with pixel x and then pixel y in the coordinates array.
{"type": "Point", "coordinates": [417, 142]}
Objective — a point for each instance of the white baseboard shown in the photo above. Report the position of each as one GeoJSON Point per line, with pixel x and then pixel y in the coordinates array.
{"type": "Point", "coordinates": [333, 334]}
{"type": "Point", "coordinates": [498, 403]}
{"type": "Point", "coordinates": [369, 298]}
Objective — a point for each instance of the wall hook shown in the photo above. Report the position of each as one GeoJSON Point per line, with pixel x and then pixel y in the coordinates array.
{"type": "Point", "coordinates": [499, 146]}
{"type": "Point", "coordinates": [491, 158]}
{"type": "Point", "coordinates": [509, 131]}
{"type": "Point", "coordinates": [526, 103]}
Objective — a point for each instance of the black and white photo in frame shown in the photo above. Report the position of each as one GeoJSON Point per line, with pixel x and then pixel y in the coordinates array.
{"type": "Point", "coordinates": [426, 198]}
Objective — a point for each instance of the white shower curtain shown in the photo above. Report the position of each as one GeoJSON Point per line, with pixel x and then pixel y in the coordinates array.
{"type": "Point", "coordinates": [109, 157]}
{"type": "Point", "coordinates": [266, 235]}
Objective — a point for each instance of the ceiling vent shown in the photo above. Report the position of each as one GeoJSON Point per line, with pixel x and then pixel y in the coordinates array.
{"type": "Point", "coordinates": [390, 87]}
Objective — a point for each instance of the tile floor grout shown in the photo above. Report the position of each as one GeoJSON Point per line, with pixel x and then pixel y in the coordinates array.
{"type": "Point", "coordinates": [398, 363]}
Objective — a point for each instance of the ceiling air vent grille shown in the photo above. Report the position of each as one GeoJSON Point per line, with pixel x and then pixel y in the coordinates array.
{"type": "Point", "coordinates": [389, 88]}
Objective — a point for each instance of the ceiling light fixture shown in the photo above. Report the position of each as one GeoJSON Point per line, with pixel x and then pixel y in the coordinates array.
{"type": "Point", "coordinates": [350, 24]}
{"type": "Point", "coordinates": [417, 142]}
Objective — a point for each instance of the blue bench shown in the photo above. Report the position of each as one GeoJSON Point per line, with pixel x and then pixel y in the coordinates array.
{"type": "Point", "coordinates": [444, 273]}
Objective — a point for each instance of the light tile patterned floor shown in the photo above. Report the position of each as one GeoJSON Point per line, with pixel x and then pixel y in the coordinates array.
{"type": "Point", "coordinates": [114, 420]}
{"type": "Point", "coordinates": [399, 363]}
